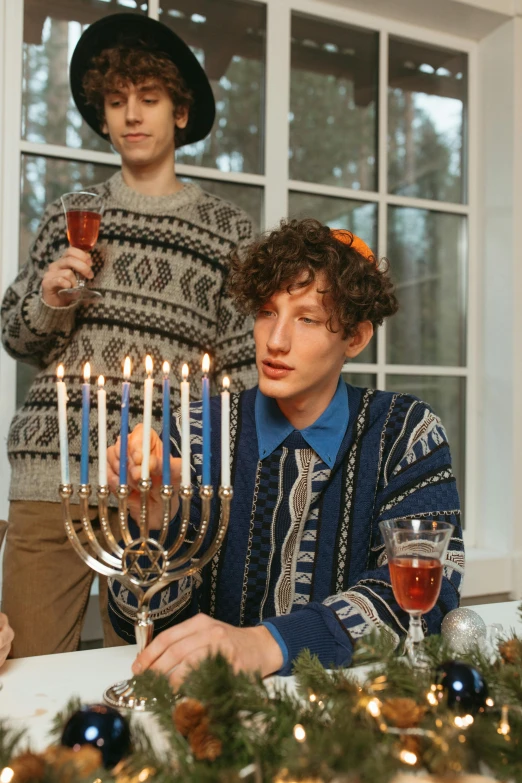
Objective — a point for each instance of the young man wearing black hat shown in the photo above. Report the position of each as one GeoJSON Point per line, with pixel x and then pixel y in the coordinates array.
{"type": "Point", "coordinates": [161, 263]}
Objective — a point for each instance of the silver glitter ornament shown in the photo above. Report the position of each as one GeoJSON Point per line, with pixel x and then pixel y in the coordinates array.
{"type": "Point", "coordinates": [462, 629]}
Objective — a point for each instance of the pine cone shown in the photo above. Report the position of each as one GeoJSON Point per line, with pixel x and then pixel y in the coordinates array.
{"type": "Point", "coordinates": [204, 745]}
{"type": "Point", "coordinates": [28, 767]}
{"type": "Point", "coordinates": [403, 713]}
{"type": "Point", "coordinates": [511, 651]}
{"type": "Point", "coordinates": [187, 715]}
{"type": "Point", "coordinates": [72, 765]}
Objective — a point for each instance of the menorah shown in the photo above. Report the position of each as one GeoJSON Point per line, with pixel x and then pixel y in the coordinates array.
{"type": "Point", "coordinates": [144, 565]}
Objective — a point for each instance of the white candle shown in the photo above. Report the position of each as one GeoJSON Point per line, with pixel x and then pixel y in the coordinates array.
{"type": "Point", "coordinates": [102, 432]}
{"type": "Point", "coordinates": [185, 427]}
{"type": "Point", "coordinates": [225, 434]}
{"type": "Point", "coordinates": [148, 387]}
{"type": "Point", "coordinates": [62, 424]}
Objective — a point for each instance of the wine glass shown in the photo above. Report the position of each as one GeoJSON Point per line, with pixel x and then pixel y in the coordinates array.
{"type": "Point", "coordinates": [83, 213]}
{"type": "Point", "coordinates": [416, 550]}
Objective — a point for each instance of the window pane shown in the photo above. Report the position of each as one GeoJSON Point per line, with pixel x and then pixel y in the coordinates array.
{"type": "Point", "coordinates": [357, 216]}
{"type": "Point", "coordinates": [248, 197]}
{"type": "Point", "coordinates": [228, 37]}
{"type": "Point", "coordinates": [333, 100]}
{"type": "Point", "coordinates": [366, 379]}
{"type": "Point", "coordinates": [51, 31]}
{"type": "Point", "coordinates": [447, 397]}
{"type": "Point", "coordinates": [427, 104]}
{"type": "Point", "coordinates": [43, 181]}
{"type": "Point", "coordinates": [427, 252]}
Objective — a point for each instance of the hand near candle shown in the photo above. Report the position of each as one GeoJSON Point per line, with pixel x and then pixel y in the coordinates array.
{"type": "Point", "coordinates": [178, 649]}
{"type": "Point", "coordinates": [135, 458]}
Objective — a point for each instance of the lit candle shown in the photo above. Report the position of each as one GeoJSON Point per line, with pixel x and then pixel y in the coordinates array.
{"type": "Point", "coordinates": [62, 424]}
{"type": "Point", "coordinates": [124, 426]}
{"type": "Point", "coordinates": [86, 405]}
{"type": "Point", "coordinates": [148, 387]}
{"type": "Point", "coordinates": [185, 426]}
{"type": "Point", "coordinates": [166, 423]}
{"type": "Point", "coordinates": [205, 394]}
{"type": "Point", "coordinates": [225, 434]}
{"type": "Point", "coordinates": [102, 432]}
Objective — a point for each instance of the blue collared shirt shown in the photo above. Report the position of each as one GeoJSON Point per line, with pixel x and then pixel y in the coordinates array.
{"type": "Point", "coordinates": [324, 436]}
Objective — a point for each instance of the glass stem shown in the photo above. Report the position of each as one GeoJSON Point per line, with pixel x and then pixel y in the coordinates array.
{"type": "Point", "coordinates": [414, 639]}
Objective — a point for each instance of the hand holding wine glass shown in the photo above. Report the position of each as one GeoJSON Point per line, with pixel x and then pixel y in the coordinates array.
{"type": "Point", "coordinates": [416, 551]}
{"type": "Point", "coordinates": [83, 213]}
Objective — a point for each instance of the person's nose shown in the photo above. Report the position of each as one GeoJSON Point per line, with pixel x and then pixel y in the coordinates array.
{"type": "Point", "coordinates": [133, 110]}
{"type": "Point", "coordinates": [279, 338]}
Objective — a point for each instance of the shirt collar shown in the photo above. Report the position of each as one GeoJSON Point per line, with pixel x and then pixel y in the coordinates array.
{"type": "Point", "coordinates": [324, 436]}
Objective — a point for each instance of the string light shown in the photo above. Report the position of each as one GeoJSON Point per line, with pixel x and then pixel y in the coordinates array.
{"type": "Point", "coordinates": [408, 757]}
{"type": "Point", "coordinates": [463, 722]}
{"type": "Point", "coordinates": [504, 727]}
{"type": "Point", "coordinates": [6, 775]}
{"type": "Point", "coordinates": [374, 707]}
{"type": "Point", "coordinates": [299, 732]}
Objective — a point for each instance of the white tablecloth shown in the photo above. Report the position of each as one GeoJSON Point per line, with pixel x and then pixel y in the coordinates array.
{"type": "Point", "coordinates": [33, 690]}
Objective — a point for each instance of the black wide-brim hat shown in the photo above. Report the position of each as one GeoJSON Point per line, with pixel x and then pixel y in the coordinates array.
{"type": "Point", "coordinates": [135, 29]}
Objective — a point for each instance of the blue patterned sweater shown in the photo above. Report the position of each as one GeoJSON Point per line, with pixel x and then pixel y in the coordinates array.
{"type": "Point", "coordinates": [303, 550]}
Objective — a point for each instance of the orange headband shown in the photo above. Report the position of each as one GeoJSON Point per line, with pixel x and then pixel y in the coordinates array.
{"type": "Point", "coordinates": [347, 238]}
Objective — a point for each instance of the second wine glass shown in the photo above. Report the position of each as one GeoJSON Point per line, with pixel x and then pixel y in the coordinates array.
{"type": "Point", "coordinates": [83, 213]}
{"type": "Point", "coordinates": [416, 550]}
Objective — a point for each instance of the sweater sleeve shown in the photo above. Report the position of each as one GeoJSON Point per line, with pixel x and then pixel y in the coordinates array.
{"type": "Point", "coordinates": [31, 330]}
{"type": "Point", "coordinates": [234, 345]}
{"type": "Point", "coordinates": [416, 482]}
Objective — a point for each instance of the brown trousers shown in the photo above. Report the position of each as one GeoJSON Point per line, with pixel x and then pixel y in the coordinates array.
{"type": "Point", "coordinates": [46, 585]}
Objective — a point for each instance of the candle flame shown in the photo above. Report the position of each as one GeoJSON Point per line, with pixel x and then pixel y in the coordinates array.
{"type": "Point", "coordinates": [185, 372]}
{"type": "Point", "coordinates": [205, 365]}
{"type": "Point", "coordinates": [127, 368]}
{"type": "Point", "coordinates": [148, 365]}
{"type": "Point", "coordinates": [87, 372]}
{"type": "Point", "coordinates": [226, 382]}
{"type": "Point", "coordinates": [166, 369]}
{"type": "Point", "coordinates": [60, 372]}
{"type": "Point", "coordinates": [101, 381]}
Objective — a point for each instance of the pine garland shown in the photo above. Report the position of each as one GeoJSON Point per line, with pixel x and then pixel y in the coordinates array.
{"type": "Point", "coordinates": [230, 727]}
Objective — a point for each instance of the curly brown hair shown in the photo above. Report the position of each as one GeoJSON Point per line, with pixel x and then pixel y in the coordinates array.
{"type": "Point", "coordinates": [122, 65]}
{"type": "Point", "coordinates": [291, 256]}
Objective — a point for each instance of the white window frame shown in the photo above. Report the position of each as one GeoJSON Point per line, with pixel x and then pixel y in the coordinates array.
{"type": "Point", "coordinates": [276, 184]}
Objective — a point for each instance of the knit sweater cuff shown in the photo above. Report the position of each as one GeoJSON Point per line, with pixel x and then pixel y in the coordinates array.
{"type": "Point", "coordinates": [42, 319]}
{"type": "Point", "coordinates": [317, 629]}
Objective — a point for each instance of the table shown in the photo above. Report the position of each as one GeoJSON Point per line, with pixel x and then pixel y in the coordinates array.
{"type": "Point", "coordinates": [35, 689]}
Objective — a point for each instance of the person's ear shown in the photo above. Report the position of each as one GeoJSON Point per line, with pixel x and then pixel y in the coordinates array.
{"type": "Point", "coordinates": [105, 128]}
{"type": "Point", "coordinates": [181, 118]}
{"type": "Point", "coordinates": [359, 340]}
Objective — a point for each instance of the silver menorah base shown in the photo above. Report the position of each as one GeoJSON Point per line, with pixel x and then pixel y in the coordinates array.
{"type": "Point", "coordinates": [144, 565]}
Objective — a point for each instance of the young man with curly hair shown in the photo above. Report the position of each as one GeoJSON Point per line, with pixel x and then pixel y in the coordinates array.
{"type": "Point", "coordinates": [316, 465]}
{"type": "Point", "coordinates": [161, 263]}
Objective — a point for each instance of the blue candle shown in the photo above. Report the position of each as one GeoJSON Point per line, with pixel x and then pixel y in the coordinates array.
{"type": "Point", "coordinates": [86, 406]}
{"type": "Point", "coordinates": [124, 425]}
{"type": "Point", "coordinates": [206, 420]}
{"type": "Point", "coordinates": [166, 424]}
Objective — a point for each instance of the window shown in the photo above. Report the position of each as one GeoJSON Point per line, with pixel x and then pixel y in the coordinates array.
{"type": "Point", "coordinates": [378, 145]}
{"type": "Point", "coordinates": [321, 111]}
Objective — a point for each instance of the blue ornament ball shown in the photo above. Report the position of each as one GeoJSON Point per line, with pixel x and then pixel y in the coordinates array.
{"type": "Point", "coordinates": [464, 686]}
{"type": "Point", "coordinates": [101, 726]}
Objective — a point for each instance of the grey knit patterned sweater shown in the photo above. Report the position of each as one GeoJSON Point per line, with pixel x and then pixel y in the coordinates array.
{"type": "Point", "coordinates": [161, 263]}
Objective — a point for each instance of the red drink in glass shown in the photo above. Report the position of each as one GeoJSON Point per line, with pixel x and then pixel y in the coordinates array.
{"type": "Point", "coordinates": [82, 228]}
{"type": "Point", "coordinates": [416, 582]}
